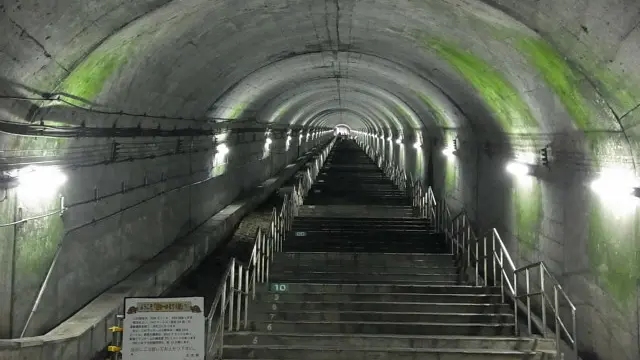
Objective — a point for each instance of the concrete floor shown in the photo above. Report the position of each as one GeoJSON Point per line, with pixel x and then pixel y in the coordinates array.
{"type": "Point", "coordinates": [503, 78]}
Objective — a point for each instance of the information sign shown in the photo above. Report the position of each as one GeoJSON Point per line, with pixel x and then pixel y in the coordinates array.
{"type": "Point", "coordinates": [164, 329]}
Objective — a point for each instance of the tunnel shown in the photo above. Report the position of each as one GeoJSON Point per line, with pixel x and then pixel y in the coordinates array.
{"type": "Point", "coordinates": [127, 125]}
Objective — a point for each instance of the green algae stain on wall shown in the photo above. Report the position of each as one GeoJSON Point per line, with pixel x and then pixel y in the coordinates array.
{"type": "Point", "coordinates": [510, 109]}
{"type": "Point", "coordinates": [438, 113]}
{"type": "Point", "coordinates": [451, 167]}
{"type": "Point", "coordinates": [612, 247]}
{"type": "Point", "coordinates": [528, 212]}
{"type": "Point", "coordinates": [89, 77]}
{"type": "Point", "coordinates": [237, 110]}
{"type": "Point", "coordinates": [451, 177]}
{"type": "Point", "coordinates": [36, 244]}
{"type": "Point", "coordinates": [560, 76]}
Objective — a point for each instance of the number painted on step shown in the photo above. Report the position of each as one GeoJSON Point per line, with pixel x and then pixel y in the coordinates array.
{"type": "Point", "coordinates": [301, 233]}
{"type": "Point", "coordinates": [255, 340]}
{"type": "Point", "coordinates": [274, 307]}
{"type": "Point", "coordinates": [269, 327]}
{"type": "Point", "coordinates": [279, 287]}
{"type": "Point", "coordinates": [276, 297]}
{"type": "Point", "coordinates": [252, 354]}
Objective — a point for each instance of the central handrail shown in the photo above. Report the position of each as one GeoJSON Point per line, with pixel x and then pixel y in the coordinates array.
{"type": "Point", "coordinates": [230, 307]}
{"type": "Point", "coordinates": [488, 256]}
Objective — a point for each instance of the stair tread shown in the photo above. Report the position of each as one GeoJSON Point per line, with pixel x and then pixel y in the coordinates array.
{"type": "Point", "coordinates": [383, 322]}
{"type": "Point", "coordinates": [385, 312]}
{"type": "Point", "coordinates": [396, 336]}
{"type": "Point", "coordinates": [384, 349]}
{"type": "Point", "coordinates": [395, 303]}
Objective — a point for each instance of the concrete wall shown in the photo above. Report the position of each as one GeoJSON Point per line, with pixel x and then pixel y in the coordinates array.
{"type": "Point", "coordinates": [553, 217]}
{"type": "Point", "coordinates": [86, 331]}
{"type": "Point", "coordinates": [98, 243]}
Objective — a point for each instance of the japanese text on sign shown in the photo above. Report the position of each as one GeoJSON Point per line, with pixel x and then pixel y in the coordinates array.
{"type": "Point", "coordinates": [164, 329]}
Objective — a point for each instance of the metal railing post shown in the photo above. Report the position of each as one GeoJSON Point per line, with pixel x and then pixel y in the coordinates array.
{"type": "Point", "coordinates": [501, 274]}
{"type": "Point", "coordinates": [528, 287]}
{"type": "Point", "coordinates": [516, 325]}
{"type": "Point", "coordinates": [543, 303]}
{"type": "Point", "coordinates": [556, 303]}
{"type": "Point", "coordinates": [476, 265]}
{"type": "Point", "coordinates": [493, 257]}
{"type": "Point", "coordinates": [246, 299]}
{"type": "Point", "coordinates": [485, 275]}
{"type": "Point", "coordinates": [223, 314]}
{"type": "Point", "coordinates": [239, 304]}
{"type": "Point", "coordinates": [232, 280]}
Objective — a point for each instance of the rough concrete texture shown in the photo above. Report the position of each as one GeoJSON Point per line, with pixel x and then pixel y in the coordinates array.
{"type": "Point", "coordinates": [205, 279]}
{"type": "Point", "coordinates": [513, 75]}
{"type": "Point", "coordinates": [85, 333]}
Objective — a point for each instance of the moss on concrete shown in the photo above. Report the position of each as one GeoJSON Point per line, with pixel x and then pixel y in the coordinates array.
{"type": "Point", "coordinates": [612, 247]}
{"type": "Point", "coordinates": [36, 243]}
{"type": "Point", "coordinates": [35, 146]}
{"type": "Point", "coordinates": [528, 213]}
{"type": "Point", "coordinates": [620, 91]}
{"type": "Point", "coordinates": [438, 113]}
{"type": "Point", "coordinates": [237, 110]}
{"type": "Point", "coordinates": [451, 177]}
{"type": "Point", "coordinates": [451, 167]}
{"type": "Point", "coordinates": [403, 112]}
{"type": "Point", "coordinates": [560, 76]}
{"type": "Point", "coordinates": [501, 97]}
{"type": "Point", "coordinates": [89, 77]}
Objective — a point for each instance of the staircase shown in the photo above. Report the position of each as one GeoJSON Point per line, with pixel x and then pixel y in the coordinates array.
{"type": "Point", "coordinates": [361, 278]}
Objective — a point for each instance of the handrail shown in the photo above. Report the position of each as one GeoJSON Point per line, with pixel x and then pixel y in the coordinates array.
{"type": "Point", "coordinates": [230, 307]}
{"type": "Point", "coordinates": [488, 253]}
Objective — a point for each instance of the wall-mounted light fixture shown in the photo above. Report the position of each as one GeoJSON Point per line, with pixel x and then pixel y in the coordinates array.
{"type": "Point", "coordinates": [619, 189]}
{"type": "Point", "coordinates": [519, 169]}
{"type": "Point", "coordinates": [222, 149]}
{"type": "Point", "coordinates": [449, 152]}
{"type": "Point", "coordinates": [417, 145]}
{"type": "Point", "coordinates": [399, 141]}
{"type": "Point", "coordinates": [544, 156]}
{"type": "Point", "coordinates": [39, 182]}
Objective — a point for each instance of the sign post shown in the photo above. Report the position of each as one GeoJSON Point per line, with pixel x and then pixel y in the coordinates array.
{"type": "Point", "coordinates": [164, 329]}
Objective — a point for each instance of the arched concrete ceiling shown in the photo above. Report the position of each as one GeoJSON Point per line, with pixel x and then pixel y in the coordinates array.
{"type": "Point", "coordinates": [522, 66]}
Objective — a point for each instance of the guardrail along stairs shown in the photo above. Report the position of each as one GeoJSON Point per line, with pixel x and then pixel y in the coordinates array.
{"type": "Point", "coordinates": [359, 277]}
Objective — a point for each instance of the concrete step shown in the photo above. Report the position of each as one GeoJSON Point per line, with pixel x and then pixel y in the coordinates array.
{"type": "Point", "coordinates": [259, 352]}
{"type": "Point", "coordinates": [378, 259]}
{"type": "Point", "coordinates": [460, 308]}
{"type": "Point", "coordinates": [386, 327]}
{"type": "Point", "coordinates": [366, 279]}
{"type": "Point", "coordinates": [364, 226]}
{"type": "Point", "coordinates": [293, 287]}
{"type": "Point", "coordinates": [329, 199]}
{"type": "Point", "coordinates": [390, 341]}
{"type": "Point", "coordinates": [359, 221]}
{"type": "Point", "coordinates": [284, 267]}
{"type": "Point", "coordinates": [358, 212]}
{"type": "Point", "coordinates": [377, 276]}
{"type": "Point", "coordinates": [377, 297]}
{"type": "Point", "coordinates": [397, 234]}
{"type": "Point", "coordinates": [284, 314]}
{"type": "Point", "coordinates": [346, 248]}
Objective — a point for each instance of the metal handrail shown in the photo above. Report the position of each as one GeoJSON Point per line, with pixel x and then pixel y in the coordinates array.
{"type": "Point", "coordinates": [560, 326]}
{"type": "Point", "coordinates": [230, 308]}
{"type": "Point", "coordinates": [475, 252]}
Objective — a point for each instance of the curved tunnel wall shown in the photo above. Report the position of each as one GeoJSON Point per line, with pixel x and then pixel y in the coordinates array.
{"type": "Point", "coordinates": [501, 77]}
